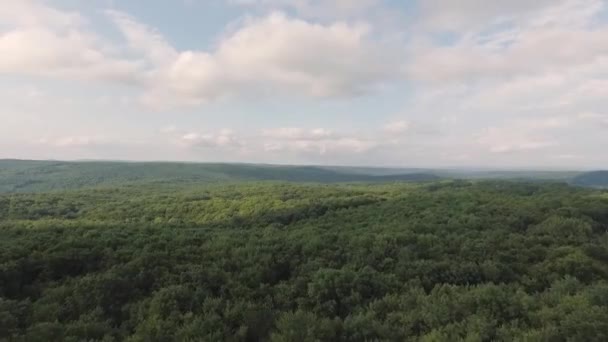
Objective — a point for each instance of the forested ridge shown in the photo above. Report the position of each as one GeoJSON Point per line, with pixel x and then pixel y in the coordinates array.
{"type": "Point", "coordinates": [266, 261]}
{"type": "Point", "coordinates": [44, 176]}
{"type": "Point", "coordinates": [595, 179]}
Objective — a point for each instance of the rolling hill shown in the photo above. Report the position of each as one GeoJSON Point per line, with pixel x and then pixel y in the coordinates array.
{"type": "Point", "coordinates": [32, 176]}
{"type": "Point", "coordinates": [595, 179]}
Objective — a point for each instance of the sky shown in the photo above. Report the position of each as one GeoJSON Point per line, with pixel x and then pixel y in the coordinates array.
{"type": "Point", "coordinates": [408, 83]}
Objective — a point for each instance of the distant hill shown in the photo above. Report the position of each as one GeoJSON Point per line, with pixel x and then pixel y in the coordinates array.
{"type": "Point", "coordinates": [596, 179]}
{"type": "Point", "coordinates": [378, 171]}
{"type": "Point", "coordinates": [464, 173]}
{"type": "Point", "coordinates": [32, 176]}
{"type": "Point", "coordinates": [526, 175]}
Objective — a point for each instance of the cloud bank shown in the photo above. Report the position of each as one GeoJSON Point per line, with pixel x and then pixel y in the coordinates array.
{"type": "Point", "coordinates": [478, 82]}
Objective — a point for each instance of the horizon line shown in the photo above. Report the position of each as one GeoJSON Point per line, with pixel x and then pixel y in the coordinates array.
{"type": "Point", "coordinates": [380, 167]}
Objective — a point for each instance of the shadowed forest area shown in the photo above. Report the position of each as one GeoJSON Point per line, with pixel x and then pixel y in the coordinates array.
{"type": "Point", "coordinates": [268, 261]}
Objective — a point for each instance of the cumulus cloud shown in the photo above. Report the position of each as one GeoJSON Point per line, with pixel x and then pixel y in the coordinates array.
{"type": "Point", "coordinates": [296, 141]}
{"type": "Point", "coordinates": [277, 54]}
{"type": "Point", "coordinates": [31, 13]}
{"type": "Point", "coordinates": [513, 139]}
{"type": "Point", "coordinates": [225, 138]}
{"type": "Point", "coordinates": [143, 39]}
{"type": "Point", "coordinates": [512, 81]}
{"type": "Point", "coordinates": [498, 79]}
{"type": "Point", "coordinates": [269, 55]}
{"type": "Point", "coordinates": [75, 141]}
{"type": "Point", "coordinates": [333, 147]}
{"type": "Point", "coordinates": [527, 46]}
{"type": "Point", "coordinates": [44, 41]}
{"type": "Point", "coordinates": [319, 141]}
{"type": "Point", "coordinates": [521, 135]}
{"type": "Point", "coordinates": [295, 133]}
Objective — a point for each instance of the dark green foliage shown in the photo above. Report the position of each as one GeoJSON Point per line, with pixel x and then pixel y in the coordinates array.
{"type": "Point", "coordinates": [595, 179]}
{"type": "Point", "coordinates": [447, 261]}
{"type": "Point", "coordinates": [33, 176]}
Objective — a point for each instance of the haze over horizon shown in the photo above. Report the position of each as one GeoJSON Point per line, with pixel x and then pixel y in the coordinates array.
{"type": "Point", "coordinates": [463, 83]}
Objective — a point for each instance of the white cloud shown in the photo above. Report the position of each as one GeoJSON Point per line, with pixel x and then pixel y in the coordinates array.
{"type": "Point", "coordinates": [30, 13]}
{"type": "Point", "coordinates": [317, 141]}
{"type": "Point", "coordinates": [510, 139]}
{"type": "Point", "coordinates": [511, 82]}
{"type": "Point", "coordinates": [44, 41]}
{"type": "Point", "coordinates": [334, 147]}
{"type": "Point", "coordinates": [519, 83]}
{"type": "Point", "coordinates": [143, 39]}
{"type": "Point", "coordinates": [225, 138]}
{"type": "Point", "coordinates": [521, 49]}
{"type": "Point", "coordinates": [272, 55]}
{"type": "Point", "coordinates": [276, 141]}
{"type": "Point", "coordinates": [295, 133]}
{"type": "Point", "coordinates": [277, 54]}
{"type": "Point", "coordinates": [397, 127]}
{"type": "Point", "coordinates": [77, 141]}
{"type": "Point", "coordinates": [521, 135]}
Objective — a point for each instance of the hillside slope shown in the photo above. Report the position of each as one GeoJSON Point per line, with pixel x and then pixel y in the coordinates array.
{"type": "Point", "coordinates": [596, 179]}
{"type": "Point", "coordinates": [32, 176]}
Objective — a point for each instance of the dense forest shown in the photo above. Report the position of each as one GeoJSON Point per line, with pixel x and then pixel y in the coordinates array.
{"type": "Point", "coordinates": [271, 261]}
{"type": "Point", "coordinates": [36, 176]}
{"type": "Point", "coordinates": [595, 179]}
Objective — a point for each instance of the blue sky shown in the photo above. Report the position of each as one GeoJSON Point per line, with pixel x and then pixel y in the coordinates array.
{"type": "Point", "coordinates": [517, 84]}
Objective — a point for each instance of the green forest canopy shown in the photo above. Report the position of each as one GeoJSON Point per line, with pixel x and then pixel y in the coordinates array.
{"type": "Point", "coordinates": [41, 176]}
{"type": "Point", "coordinates": [595, 179]}
{"type": "Point", "coordinates": [266, 261]}
{"type": "Point", "coordinates": [36, 176]}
